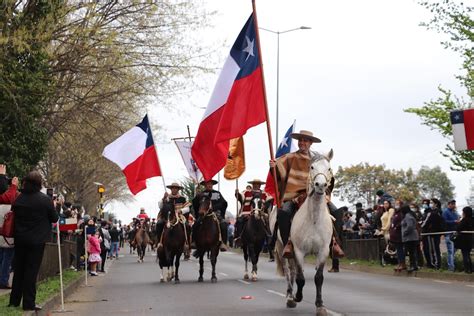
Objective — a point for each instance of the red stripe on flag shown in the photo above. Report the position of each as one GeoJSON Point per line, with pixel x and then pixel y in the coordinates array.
{"type": "Point", "coordinates": [469, 128]}
{"type": "Point", "coordinates": [144, 167]}
{"type": "Point", "coordinates": [66, 227]}
{"type": "Point", "coordinates": [244, 109]}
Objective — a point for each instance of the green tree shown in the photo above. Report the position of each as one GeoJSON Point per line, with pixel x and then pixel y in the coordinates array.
{"type": "Point", "coordinates": [25, 82]}
{"type": "Point", "coordinates": [455, 20]}
{"type": "Point", "coordinates": [433, 182]}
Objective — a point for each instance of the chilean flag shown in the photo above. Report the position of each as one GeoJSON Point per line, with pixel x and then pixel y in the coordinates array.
{"type": "Point", "coordinates": [237, 104]}
{"type": "Point", "coordinates": [286, 146]}
{"type": "Point", "coordinates": [134, 152]}
{"type": "Point", "coordinates": [463, 129]}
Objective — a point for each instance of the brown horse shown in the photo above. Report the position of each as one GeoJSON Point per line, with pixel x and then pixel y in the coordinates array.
{"type": "Point", "coordinates": [173, 238]}
{"type": "Point", "coordinates": [207, 237]}
{"type": "Point", "coordinates": [253, 236]}
{"type": "Point", "coordinates": [141, 240]}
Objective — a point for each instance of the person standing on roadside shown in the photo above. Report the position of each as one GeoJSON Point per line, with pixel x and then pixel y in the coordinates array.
{"type": "Point", "coordinates": [34, 213]}
{"type": "Point", "coordinates": [6, 244]}
{"type": "Point", "coordinates": [451, 218]}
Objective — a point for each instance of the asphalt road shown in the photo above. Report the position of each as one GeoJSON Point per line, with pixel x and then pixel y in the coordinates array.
{"type": "Point", "coordinates": [133, 288]}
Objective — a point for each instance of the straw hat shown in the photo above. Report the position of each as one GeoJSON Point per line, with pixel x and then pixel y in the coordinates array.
{"type": "Point", "coordinates": [174, 185]}
{"type": "Point", "coordinates": [256, 181]}
{"type": "Point", "coordinates": [214, 182]}
{"type": "Point", "coordinates": [307, 135]}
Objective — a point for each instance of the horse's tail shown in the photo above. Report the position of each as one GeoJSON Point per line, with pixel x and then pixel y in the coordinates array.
{"type": "Point", "coordinates": [279, 263]}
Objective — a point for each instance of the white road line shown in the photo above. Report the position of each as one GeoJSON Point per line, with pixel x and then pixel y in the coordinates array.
{"type": "Point", "coordinates": [244, 282]}
{"type": "Point", "coordinates": [416, 278]}
{"type": "Point", "coordinates": [223, 274]}
{"type": "Point", "coordinates": [439, 281]}
{"type": "Point", "coordinates": [470, 285]}
{"type": "Point", "coordinates": [276, 293]}
{"type": "Point", "coordinates": [333, 313]}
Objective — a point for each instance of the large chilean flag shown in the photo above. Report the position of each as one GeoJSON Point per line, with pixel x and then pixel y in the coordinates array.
{"type": "Point", "coordinates": [462, 122]}
{"type": "Point", "coordinates": [134, 152]}
{"type": "Point", "coordinates": [237, 104]}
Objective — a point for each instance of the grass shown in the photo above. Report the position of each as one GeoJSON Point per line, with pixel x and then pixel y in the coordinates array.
{"type": "Point", "coordinates": [44, 291]}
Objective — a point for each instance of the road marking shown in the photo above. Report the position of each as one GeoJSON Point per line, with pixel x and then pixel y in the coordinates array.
{"type": "Point", "coordinates": [276, 293]}
{"type": "Point", "coordinates": [470, 285]}
{"type": "Point", "coordinates": [416, 278]}
{"type": "Point", "coordinates": [333, 313]}
{"type": "Point", "coordinates": [244, 282]}
{"type": "Point", "coordinates": [439, 281]}
{"type": "Point", "coordinates": [223, 274]}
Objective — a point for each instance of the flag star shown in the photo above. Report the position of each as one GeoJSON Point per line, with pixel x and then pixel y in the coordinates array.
{"type": "Point", "coordinates": [249, 48]}
{"type": "Point", "coordinates": [284, 142]}
{"type": "Point", "coordinates": [456, 117]}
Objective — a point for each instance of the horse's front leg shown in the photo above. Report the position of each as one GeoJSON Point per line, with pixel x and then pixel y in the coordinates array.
{"type": "Point", "coordinates": [201, 267]}
{"type": "Point", "coordinates": [253, 257]}
{"type": "Point", "coordinates": [300, 281]}
{"type": "Point", "coordinates": [214, 253]}
{"type": "Point", "coordinates": [318, 280]}
{"type": "Point", "coordinates": [176, 265]}
{"type": "Point", "coordinates": [246, 258]}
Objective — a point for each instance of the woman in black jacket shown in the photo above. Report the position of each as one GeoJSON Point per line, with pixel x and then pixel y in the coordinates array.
{"type": "Point", "coordinates": [464, 241]}
{"type": "Point", "coordinates": [34, 213]}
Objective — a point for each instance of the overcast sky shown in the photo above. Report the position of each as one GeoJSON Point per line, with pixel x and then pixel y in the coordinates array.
{"type": "Point", "coordinates": [347, 79]}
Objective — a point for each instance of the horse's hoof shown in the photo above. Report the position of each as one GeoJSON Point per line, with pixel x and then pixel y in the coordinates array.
{"type": "Point", "coordinates": [200, 279]}
{"type": "Point", "coordinates": [298, 297]}
{"type": "Point", "coordinates": [214, 280]}
{"type": "Point", "coordinates": [246, 276]}
{"type": "Point", "coordinates": [321, 311]}
{"type": "Point", "coordinates": [176, 281]}
{"type": "Point", "coordinates": [162, 280]}
{"type": "Point", "coordinates": [290, 303]}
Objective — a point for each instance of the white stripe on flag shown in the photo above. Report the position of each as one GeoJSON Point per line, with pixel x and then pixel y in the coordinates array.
{"type": "Point", "coordinates": [127, 148]}
{"type": "Point", "coordinates": [223, 86]}
{"type": "Point", "coordinates": [459, 134]}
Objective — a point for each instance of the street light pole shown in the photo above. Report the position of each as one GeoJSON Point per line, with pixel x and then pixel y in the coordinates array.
{"type": "Point", "coordinates": [278, 73]}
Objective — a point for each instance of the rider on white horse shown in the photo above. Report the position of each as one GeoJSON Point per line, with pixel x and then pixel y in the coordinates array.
{"type": "Point", "coordinates": [292, 175]}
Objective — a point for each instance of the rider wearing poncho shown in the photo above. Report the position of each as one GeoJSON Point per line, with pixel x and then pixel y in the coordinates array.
{"type": "Point", "coordinates": [292, 175]}
{"type": "Point", "coordinates": [176, 200]}
{"type": "Point", "coordinates": [219, 207]}
{"type": "Point", "coordinates": [245, 198]}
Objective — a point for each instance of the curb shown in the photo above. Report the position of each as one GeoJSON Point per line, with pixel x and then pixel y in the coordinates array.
{"type": "Point", "coordinates": [56, 299]}
{"type": "Point", "coordinates": [419, 274]}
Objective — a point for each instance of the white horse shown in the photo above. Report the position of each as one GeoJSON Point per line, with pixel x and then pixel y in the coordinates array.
{"type": "Point", "coordinates": [311, 232]}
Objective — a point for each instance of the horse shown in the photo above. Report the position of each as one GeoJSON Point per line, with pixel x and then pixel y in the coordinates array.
{"type": "Point", "coordinates": [131, 240]}
{"type": "Point", "coordinates": [253, 236]}
{"type": "Point", "coordinates": [311, 232]}
{"type": "Point", "coordinates": [141, 240]}
{"type": "Point", "coordinates": [207, 237]}
{"type": "Point", "coordinates": [173, 238]}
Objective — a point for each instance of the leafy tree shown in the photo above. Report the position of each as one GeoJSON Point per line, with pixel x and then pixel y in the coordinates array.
{"type": "Point", "coordinates": [25, 83]}
{"type": "Point", "coordinates": [433, 182]}
{"type": "Point", "coordinates": [455, 20]}
{"type": "Point", "coordinates": [189, 188]}
{"type": "Point", "coordinates": [359, 183]}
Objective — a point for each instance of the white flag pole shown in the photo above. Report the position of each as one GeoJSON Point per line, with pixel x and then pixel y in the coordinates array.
{"type": "Point", "coordinates": [60, 266]}
{"type": "Point", "coordinates": [85, 250]}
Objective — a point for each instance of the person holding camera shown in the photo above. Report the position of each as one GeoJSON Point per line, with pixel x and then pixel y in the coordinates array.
{"type": "Point", "coordinates": [6, 244]}
{"type": "Point", "coordinates": [34, 213]}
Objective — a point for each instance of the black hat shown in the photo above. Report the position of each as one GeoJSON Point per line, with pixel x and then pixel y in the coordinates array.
{"type": "Point", "coordinates": [214, 182]}
{"type": "Point", "coordinates": [358, 204]}
{"type": "Point", "coordinates": [452, 202]}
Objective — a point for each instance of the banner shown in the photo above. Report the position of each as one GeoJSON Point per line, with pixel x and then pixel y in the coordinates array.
{"type": "Point", "coordinates": [235, 165]}
{"type": "Point", "coordinates": [184, 148]}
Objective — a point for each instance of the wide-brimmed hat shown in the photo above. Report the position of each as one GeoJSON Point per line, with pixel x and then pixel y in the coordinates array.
{"type": "Point", "coordinates": [256, 181]}
{"type": "Point", "coordinates": [174, 185]}
{"type": "Point", "coordinates": [305, 134]}
{"type": "Point", "coordinates": [214, 182]}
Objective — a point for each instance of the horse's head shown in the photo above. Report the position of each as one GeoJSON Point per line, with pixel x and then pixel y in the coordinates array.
{"type": "Point", "coordinates": [204, 204]}
{"type": "Point", "coordinates": [257, 207]}
{"type": "Point", "coordinates": [320, 174]}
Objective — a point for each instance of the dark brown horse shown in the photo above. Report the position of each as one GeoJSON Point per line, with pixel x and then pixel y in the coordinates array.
{"type": "Point", "coordinates": [253, 236]}
{"type": "Point", "coordinates": [173, 238]}
{"type": "Point", "coordinates": [141, 240]}
{"type": "Point", "coordinates": [207, 237]}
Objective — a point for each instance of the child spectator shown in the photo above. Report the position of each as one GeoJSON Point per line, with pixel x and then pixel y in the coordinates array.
{"type": "Point", "coordinates": [94, 252]}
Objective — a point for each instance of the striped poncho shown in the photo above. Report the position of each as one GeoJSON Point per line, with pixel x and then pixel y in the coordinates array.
{"type": "Point", "coordinates": [292, 173]}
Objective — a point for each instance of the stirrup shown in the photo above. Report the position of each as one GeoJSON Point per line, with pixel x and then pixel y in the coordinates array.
{"type": "Point", "coordinates": [288, 251]}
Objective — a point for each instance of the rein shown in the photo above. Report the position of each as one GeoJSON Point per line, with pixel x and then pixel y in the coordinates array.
{"type": "Point", "coordinates": [312, 179]}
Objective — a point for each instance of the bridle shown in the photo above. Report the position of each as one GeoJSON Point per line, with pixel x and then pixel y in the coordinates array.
{"type": "Point", "coordinates": [312, 178]}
